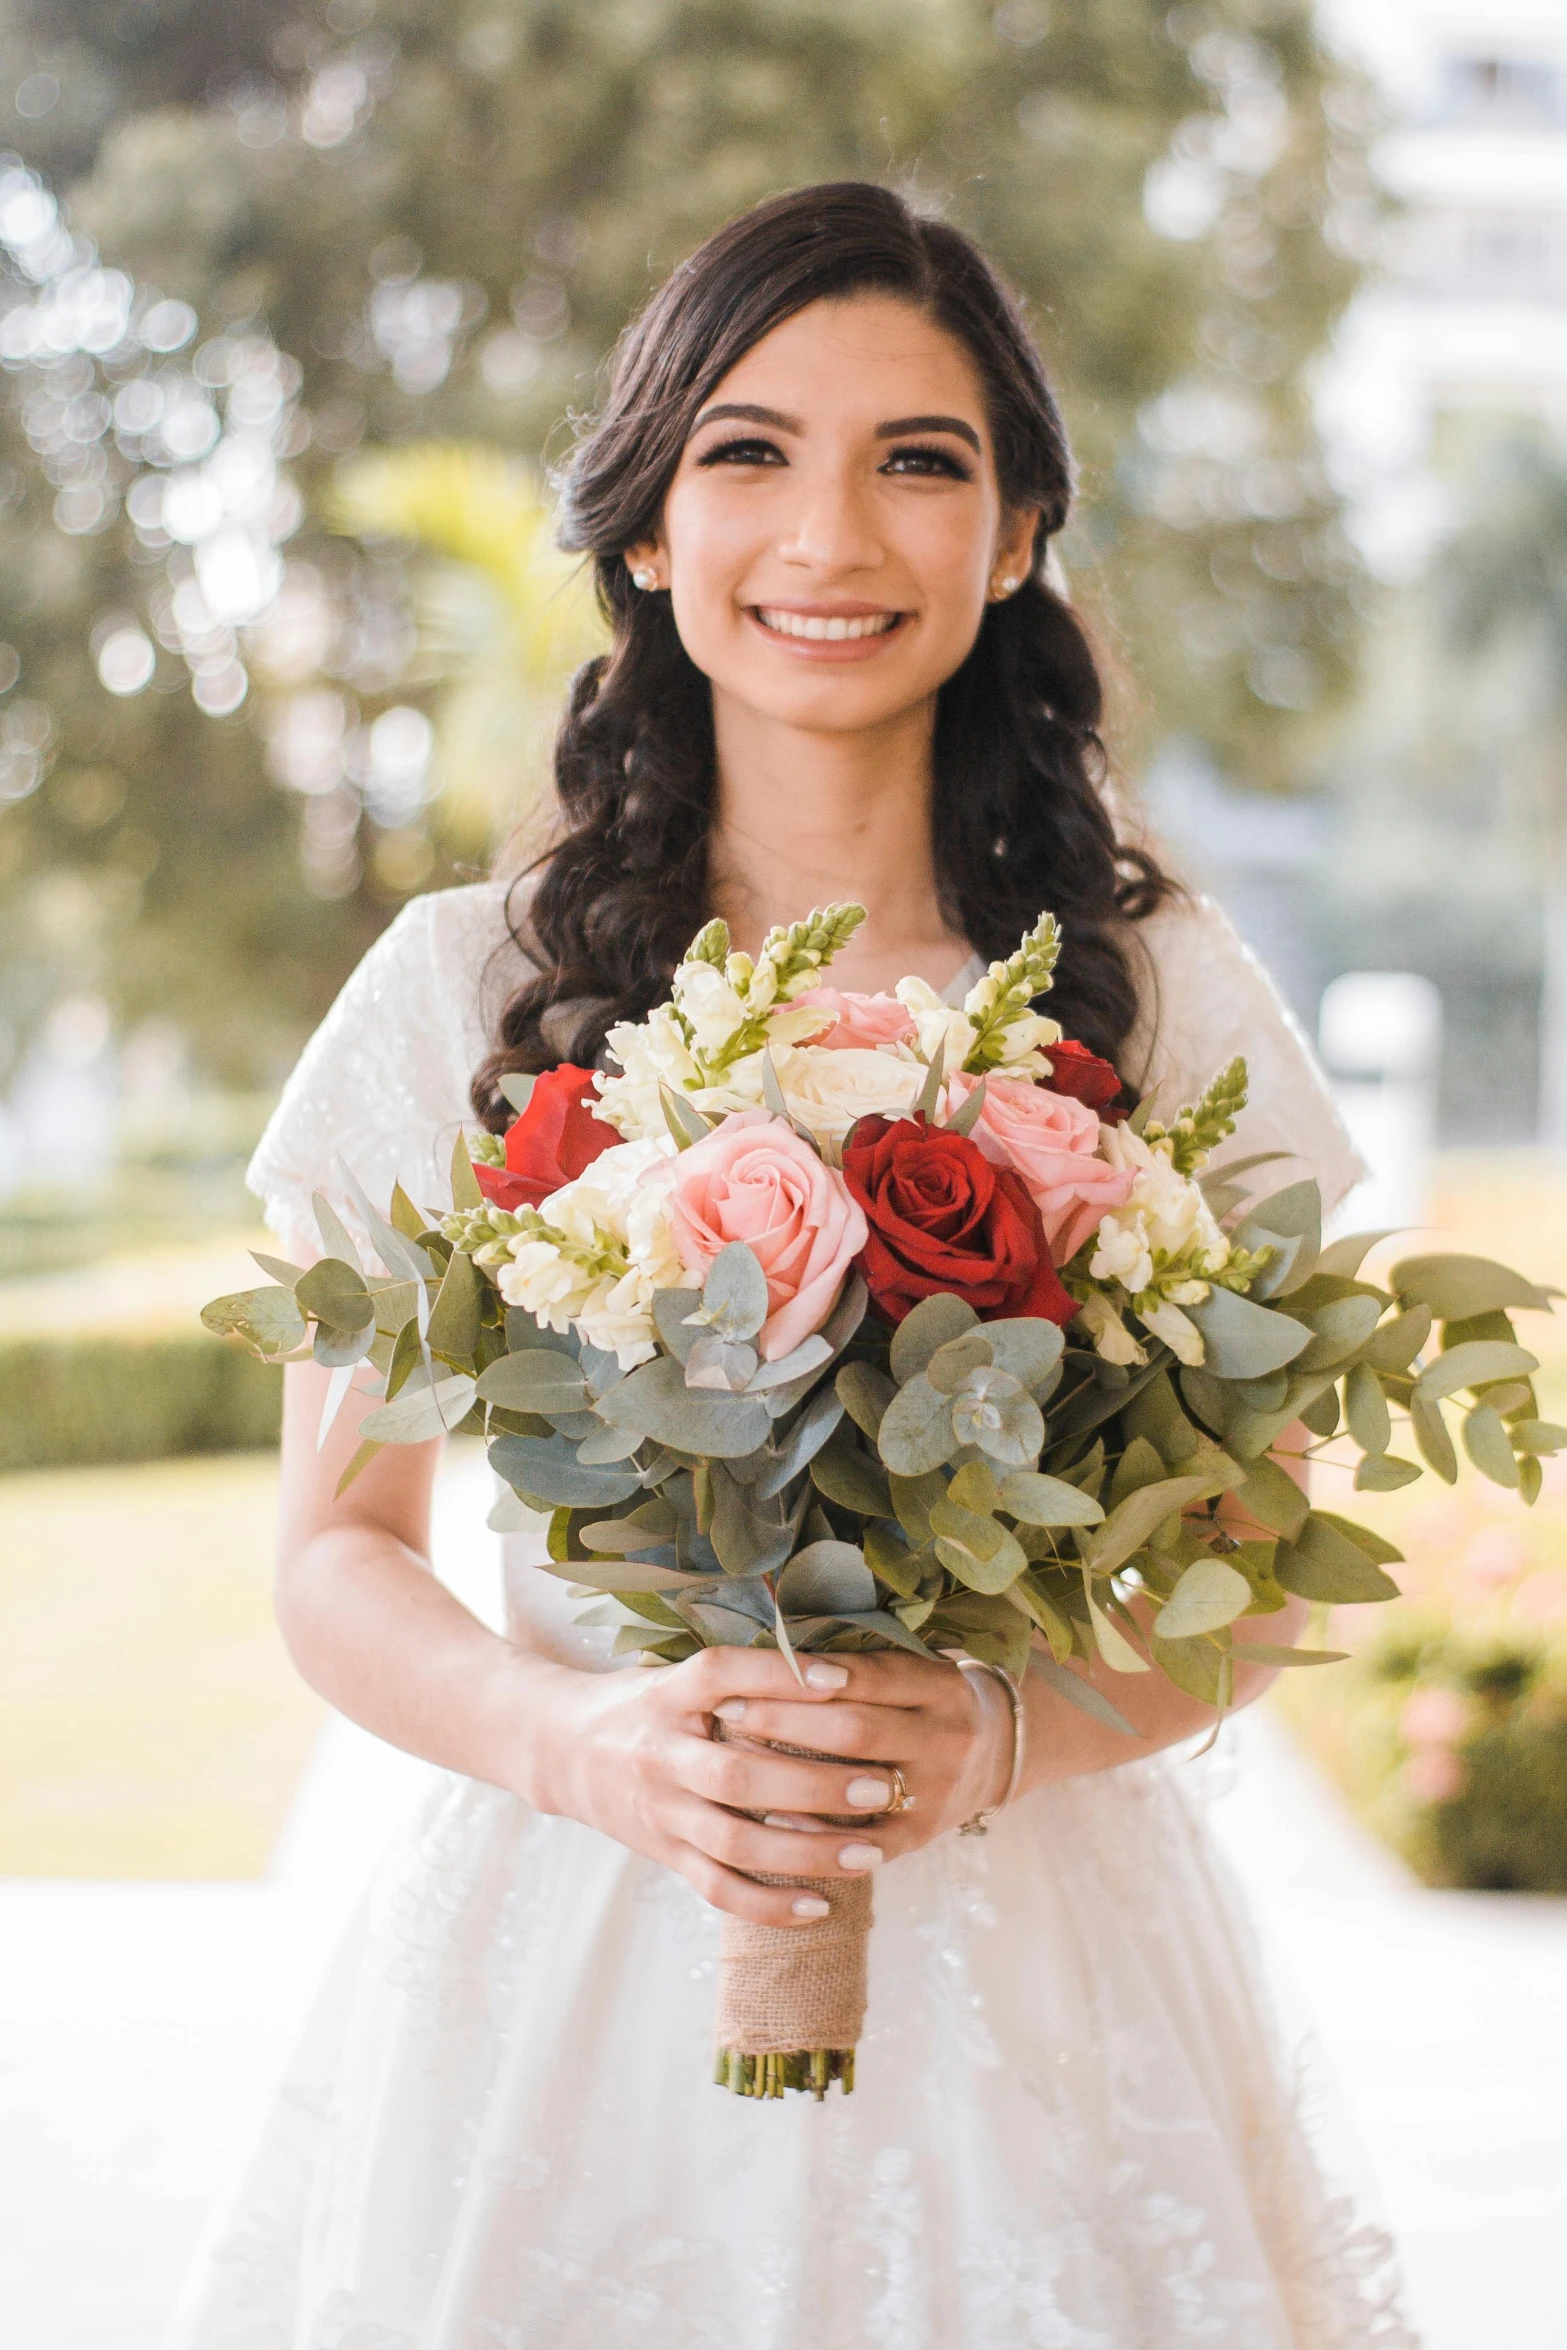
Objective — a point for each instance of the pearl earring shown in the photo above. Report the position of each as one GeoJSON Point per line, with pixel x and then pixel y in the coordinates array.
{"type": "Point", "coordinates": [645, 578]}
{"type": "Point", "coordinates": [1009, 585]}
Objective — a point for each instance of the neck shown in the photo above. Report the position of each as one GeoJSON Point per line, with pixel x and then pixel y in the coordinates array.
{"type": "Point", "coordinates": [807, 819]}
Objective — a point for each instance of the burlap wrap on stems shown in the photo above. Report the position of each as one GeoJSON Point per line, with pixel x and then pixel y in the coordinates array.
{"type": "Point", "coordinates": [798, 1990]}
{"type": "Point", "coordinates": [783, 1988]}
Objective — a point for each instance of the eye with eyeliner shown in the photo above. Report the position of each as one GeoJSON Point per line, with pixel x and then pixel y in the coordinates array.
{"type": "Point", "coordinates": [926, 458]}
{"type": "Point", "coordinates": [751, 449]}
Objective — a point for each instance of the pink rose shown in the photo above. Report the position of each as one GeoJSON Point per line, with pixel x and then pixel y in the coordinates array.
{"type": "Point", "coordinates": [861, 1019]}
{"type": "Point", "coordinates": [1052, 1142]}
{"type": "Point", "coordinates": [753, 1179]}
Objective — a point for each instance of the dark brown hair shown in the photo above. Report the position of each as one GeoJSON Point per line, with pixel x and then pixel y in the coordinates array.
{"type": "Point", "coordinates": [1020, 821]}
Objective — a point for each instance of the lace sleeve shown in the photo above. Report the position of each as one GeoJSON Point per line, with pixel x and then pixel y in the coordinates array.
{"type": "Point", "coordinates": [1207, 998]}
{"type": "Point", "coordinates": [382, 1086]}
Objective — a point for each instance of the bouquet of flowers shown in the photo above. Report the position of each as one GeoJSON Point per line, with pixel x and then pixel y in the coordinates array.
{"type": "Point", "coordinates": [831, 1321]}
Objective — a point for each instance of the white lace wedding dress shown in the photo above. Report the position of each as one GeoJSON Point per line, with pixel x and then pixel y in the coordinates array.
{"type": "Point", "coordinates": [1073, 2129]}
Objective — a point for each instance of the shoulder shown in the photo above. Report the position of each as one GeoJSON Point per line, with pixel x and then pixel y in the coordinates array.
{"type": "Point", "coordinates": [1204, 999]}
{"type": "Point", "coordinates": [382, 1086]}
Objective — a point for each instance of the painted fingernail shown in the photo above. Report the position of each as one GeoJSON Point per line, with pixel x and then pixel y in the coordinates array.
{"type": "Point", "coordinates": [826, 1676]}
{"type": "Point", "coordinates": [860, 1856]}
{"type": "Point", "coordinates": [732, 1709]}
{"type": "Point", "coordinates": [801, 1821]}
{"type": "Point", "coordinates": [869, 1794]}
{"type": "Point", "coordinates": [810, 1905]}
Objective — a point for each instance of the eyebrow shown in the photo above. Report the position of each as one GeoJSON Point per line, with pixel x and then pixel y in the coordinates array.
{"type": "Point", "coordinates": [743, 411]}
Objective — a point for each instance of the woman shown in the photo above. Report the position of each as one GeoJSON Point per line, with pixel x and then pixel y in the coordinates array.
{"type": "Point", "coordinates": [819, 501]}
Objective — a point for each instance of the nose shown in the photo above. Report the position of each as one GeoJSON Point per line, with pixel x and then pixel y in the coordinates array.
{"type": "Point", "coordinates": [831, 531]}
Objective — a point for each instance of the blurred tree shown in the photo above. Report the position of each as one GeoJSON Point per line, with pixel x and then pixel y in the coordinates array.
{"type": "Point", "coordinates": [383, 222]}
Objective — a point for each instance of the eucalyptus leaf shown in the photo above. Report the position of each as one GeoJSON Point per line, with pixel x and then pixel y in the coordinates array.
{"type": "Point", "coordinates": [267, 1320]}
{"type": "Point", "coordinates": [1384, 1473]}
{"type": "Point", "coordinates": [465, 1186]}
{"type": "Point", "coordinates": [913, 1498]}
{"type": "Point", "coordinates": [339, 1349]}
{"type": "Point", "coordinates": [1431, 1435]}
{"type": "Point", "coordinates": [336, 1240]}
{"type": "Point", "coordinates": [930, 1325]}
{"type": "Point", "coordinates": [865, 1392]}
{"type": "Point", "coordinates": [994, 1412]}
{"type": "Point", "coordinates": [802, 1442]}
{"type": "Point", "coordinates": [980, 1551]}
{"type": "Point", "coordinates": [1325, 1564]}
{"type": "Point", "coordinates": [1139, 1465]}
{"type": "Point", "coordinates": [605, 1445]}
{"type": "Point", "coordinates": [517, 1087]}
{"type": "Point", "coordinates": [1339, 1330]}
{"type": "Point", "coordinates": [1081, 1692]}
{"type": "Point", "coordinates": [656, 1401]}
{"type": "Point", "coordinates": [1487, 1444]}
{"type": "Point", "coordinates": [1113, 1646]}
{"type": "Point", "coordinates": [1295, 1213]}
{"type": "Point", "coordinates": [548, 1468]}
{"type": "Point", "coordinates": [1365, 1408]}
{"type": "Point", "coordinates": [672, 1312]}
{"type": "Point", "coordinates": [1029, 1348]}
{"type": "Point", "coordinates": [964, 1120]}
{"type": "Point", "coordinates": [1538, 1436]}
{"type": "Point", "coordinates": [842, 1472]}
{"type": "Point", "coordinates": [916, 1433]}
{"type": "Point", "coordinates": [1047, 1501]}
{"type": "Point", "coordinates": [1394, 1345]}
{"type": "Point", "coordinates": [684, 1120]}
{"type": "Point", "coordinates": [397, 1253]}
{"type": "Point", "coordinates": [810, 1355]}
{"type": "Point", "coordinates": [279, 1267]}
{"type": "Point", "coordinates": [1129, 1526]}
{"type": "Point", "coordinates": [508, 1514]}
{"type": "Point", "coordinates": [419, 1413]}
{"type": "Point", "coordinates": [930, 1091]}
{"type": "Point", "coordinates": [1347, 1254]}
{"type": "Point", "coordinates": [1243, 1341]}
{"type": "Point", "coordinates": [1455, 1287]}
{"type": "Point", "coordinates": [951, 1364]}
{"type": "Point", "coordinates": [722, 1365]}
{"type": "Point", "coordinates": [1208, 1595]}
{"type": "Point", "coordinates": [749, 1538]}
{"type": "Point", "coordinates": [1264, 1652]}
{"type": "Point", "coordinates": [1271, 1496]}
{"type": "Point", "coordinates": [535, 1380]}
{"type": "Point", "coordinates": [1474, 1364]}
{"type": "Point", "coordinates": [734, 1295]}
{"type": "Point", "coordinates": [825, 1579]}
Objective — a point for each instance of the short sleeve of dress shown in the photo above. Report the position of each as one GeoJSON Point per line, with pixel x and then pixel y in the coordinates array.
{"type": "Point", "coordinates": [382, 1086]}
{"type": "Point", "coordinates": [1205, 998]}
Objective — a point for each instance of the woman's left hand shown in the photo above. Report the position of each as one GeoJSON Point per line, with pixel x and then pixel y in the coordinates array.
{"type": "Point", "coordinates": [949, 1733]}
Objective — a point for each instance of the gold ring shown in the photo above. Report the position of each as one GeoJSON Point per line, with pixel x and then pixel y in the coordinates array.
{"type": "Point", "coordinates": [902, 1800]}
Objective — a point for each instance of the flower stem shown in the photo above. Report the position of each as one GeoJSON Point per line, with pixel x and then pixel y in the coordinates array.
{"type": "Point", "coordinates": [811, 2069]}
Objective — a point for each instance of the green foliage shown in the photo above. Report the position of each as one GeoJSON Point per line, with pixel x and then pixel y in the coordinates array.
{"type": "Point", "coordinates": [72, 1402]}
{"type": "Point", "coordinates": [1201, 1128]}
{"type": "Point", "coordinates": [534, 168]}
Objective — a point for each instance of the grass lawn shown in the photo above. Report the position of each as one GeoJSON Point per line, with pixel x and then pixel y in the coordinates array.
{"type": "Point", "coordinates": [151, 1724]}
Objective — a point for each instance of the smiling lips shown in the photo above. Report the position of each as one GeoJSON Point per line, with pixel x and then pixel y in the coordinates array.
{"type": "Point", "coordinates": [830, 628]}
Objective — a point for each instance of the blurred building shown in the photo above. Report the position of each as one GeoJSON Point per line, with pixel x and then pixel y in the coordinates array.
{"type": "Point", "coordinates": [1432, 838]}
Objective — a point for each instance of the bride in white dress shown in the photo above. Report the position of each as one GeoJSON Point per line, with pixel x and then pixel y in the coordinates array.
{"type": "Point", "coordinates": [819, 500]}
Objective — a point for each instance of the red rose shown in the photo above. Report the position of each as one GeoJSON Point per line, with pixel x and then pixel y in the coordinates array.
{"type": "Point", "coordinates": [556, 1137]}
{"type": "Point", "coordinates": [942, 1217]}
{"type": "Point", "coordinates": [1083, 1077]}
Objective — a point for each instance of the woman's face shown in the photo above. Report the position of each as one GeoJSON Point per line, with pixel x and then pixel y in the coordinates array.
{"type": "Point", "coordinates": [835, 526]}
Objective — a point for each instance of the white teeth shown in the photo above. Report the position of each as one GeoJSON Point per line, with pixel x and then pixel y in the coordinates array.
{"type": "Point", "coordinates": [817, 625]}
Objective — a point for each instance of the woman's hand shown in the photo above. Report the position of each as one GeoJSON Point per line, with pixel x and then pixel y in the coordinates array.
{"type": "Point", "coordinates": [672, 1761]}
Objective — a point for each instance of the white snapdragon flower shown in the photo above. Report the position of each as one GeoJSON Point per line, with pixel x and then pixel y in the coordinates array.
{"type": "Point", "coordinates": [1111, 1337]}
{"type": "Point", "coordinates": [650, 1053]}
{"type": "Point", "coordinates": [1180, 1334]}
{"type": "Point", "coordinates": [1175, 1216]}
{"type": "Point", "coordinates": [940, 1026]}
{"type": "Point", "coordinates": [1123, 1252]}
{"type": "Point", "coordinates": [828, 1091]}
{"type": "Point", "coordinates": [712, 1004]}
{"type": "Point", "coordinates": [613, 1252]}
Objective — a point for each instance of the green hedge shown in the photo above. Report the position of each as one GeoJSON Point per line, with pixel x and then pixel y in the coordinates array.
{"type": "Point", "coordinates": [73, 1401]}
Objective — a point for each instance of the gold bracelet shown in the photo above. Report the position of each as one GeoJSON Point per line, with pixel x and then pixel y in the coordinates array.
{"type": "Point", "coordinates": [979, 1825]}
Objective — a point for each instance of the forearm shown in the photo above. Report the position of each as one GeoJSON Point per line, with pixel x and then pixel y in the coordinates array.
{"type": "Point", "coordinates": [370, 1627]}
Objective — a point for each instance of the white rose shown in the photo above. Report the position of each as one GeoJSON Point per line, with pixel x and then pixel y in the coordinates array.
{"type": "Point", "coordinates": [544, 1283]}
{"type": "Point", "coordinates": [827, 1091]}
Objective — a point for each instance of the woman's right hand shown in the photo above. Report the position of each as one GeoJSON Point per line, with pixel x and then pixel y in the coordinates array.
{"type": "Point", "coordinates": [634, 1754]}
